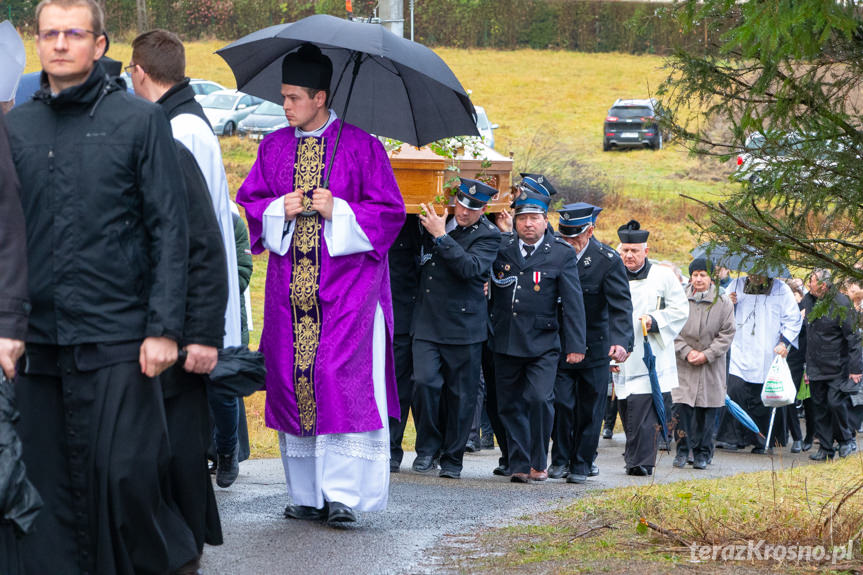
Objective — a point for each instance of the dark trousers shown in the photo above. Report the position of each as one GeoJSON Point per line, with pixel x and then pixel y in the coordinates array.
{"type": "Point", "coordinates": [579, 406]}
{"type": "Point", "coordinates": [449, 375]}
{"type": "Point", "coordinates": [404, 364]}
{"type": "Point", "coordinates": [488, 373]}
{"type": "Point", "coordinates": [525, 394]}
{"type": "Point", "coordinates": [226, 420]}
{"type": "Point", "coordinates": [96, 447]}
{"type": "Point", "coordinates": [694, 430]}
{"type": "Point", "coordinates": [832, 420]}
{"type": "Point", "coordinates": [641, 426]}
{"type": "Point", "coordinates": [791, 418]}
{"type": "Point", "coordinates": [481, 429]}
{"type": "Point", "coordinates": [610, 412]}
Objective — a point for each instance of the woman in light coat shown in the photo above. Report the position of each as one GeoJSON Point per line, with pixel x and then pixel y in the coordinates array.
{"type": "Point", "coordinates": [700, 350]}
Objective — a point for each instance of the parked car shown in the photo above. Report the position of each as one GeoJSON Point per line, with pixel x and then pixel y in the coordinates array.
{"type": "Point", "coordinates": [267, 118]}
{"type": "Point", "coordinates": [486, 128]}
{"type": "Point", "coordinates": [225, 109]}
{"type": "Point", "coordinates": [632, 123]}
{"type": "Point", "coordinates": [203, 88]}
{"type": "Point", "coordinates": [766, 157]}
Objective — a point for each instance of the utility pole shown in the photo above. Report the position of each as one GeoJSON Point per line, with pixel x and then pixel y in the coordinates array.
{"type": "Point", "coordinates": [141, 12]}
{"type": "Point", "coordinates": [392, 14]}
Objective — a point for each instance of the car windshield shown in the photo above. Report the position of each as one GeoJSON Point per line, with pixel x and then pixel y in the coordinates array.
{"type": "Point", "coordinates": [631, 112]}
{"type": "Point", "coordinates": [269, 109]}
{"type": "Point", "coordinates": [482, 120]}
{"type": "Point", "coordinates": [219, 101]}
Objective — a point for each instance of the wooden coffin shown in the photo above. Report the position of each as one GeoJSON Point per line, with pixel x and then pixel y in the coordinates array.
{"type": "Point", "coordinates": [421, 175]}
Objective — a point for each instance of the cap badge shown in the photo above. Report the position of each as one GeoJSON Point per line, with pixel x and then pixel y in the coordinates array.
{"type": "Point", "coordinates": [540, 180]}
{"type": "Point", "coordinates": [472, 190]}
{"type": "Point", "coordinates": [564, 216]}
{"type": "Point", "coordinates": [523, 196]}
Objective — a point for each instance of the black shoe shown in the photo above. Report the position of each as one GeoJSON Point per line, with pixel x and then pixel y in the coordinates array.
{"type": "Point", "coordinates": [395, 466]}
{"type": "Point", "coordinates": [306, 513]}
{"type": "Point", "coordinates": [639, 471]}
{"type": "Point", "coordinates": [679, 461]}
{"type": "Point", "coordinates": [487, 442]}
{"type": "Point", "coordinates": [472, 447]}
{"type": "Point", "coordinates": [340, 513]}
{"type": "Point", "coordinates": [450, 473]}
{"type": "Point", "coordinates": [520, 478]}
{"type": "Point", "coordinates": [806, 445]}
{"type": "Point", "coordinates": [502, 470]}
{"type": "Point", "coordinates": [228, 467]}
{"type": "Point", "coordinates": [726, 446]}
{"type": "Point", "coordinates": [795, 446]}
{"type": "Point", "coordinates": [761, 451]}
{"type": "Point", "coordinates": [557, 472]}
{"type": "Point", "coordinates": [700, 464]}
{"type": "Point", "coordinates": [607, 433]}
{"type": "Point", "coordinates": [846, 449]}
{"type": "Point", "coordinates": [594, 470]}
{"type": "Point", "coordinates": [821, 455]}
{"type": "Point", "coordinates": [424, 464]}
{"type": "Point", "coordinates": [576, 478]}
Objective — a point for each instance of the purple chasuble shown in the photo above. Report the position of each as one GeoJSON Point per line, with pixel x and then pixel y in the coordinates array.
{"type": "Point", "coordinates": [330, 388]}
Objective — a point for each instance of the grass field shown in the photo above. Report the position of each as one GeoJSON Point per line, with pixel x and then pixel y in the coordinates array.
{"type": "Point", "coordinates": [550, 106]}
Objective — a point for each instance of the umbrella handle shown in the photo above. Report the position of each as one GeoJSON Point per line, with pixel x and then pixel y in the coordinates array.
{"type": "Point", "coordinates": [644, 327]}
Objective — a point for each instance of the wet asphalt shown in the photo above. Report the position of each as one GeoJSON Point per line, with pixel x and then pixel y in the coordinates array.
{"type": "Point", "coordinates": [421, 513]}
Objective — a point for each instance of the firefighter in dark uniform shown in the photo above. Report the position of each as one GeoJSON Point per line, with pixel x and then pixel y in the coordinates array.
{"type": "Point", "coordinates": [534, 274]}
{"type": "Point", "coordinates": [450, 326]}
{"type": "Point", "coordinates": [404, 281]}
{"type": "Point", "coordinates": [580, 390]}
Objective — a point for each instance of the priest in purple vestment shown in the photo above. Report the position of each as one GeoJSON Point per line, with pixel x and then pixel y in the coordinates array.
{"type": "Point", "coordinates": [328, 313]}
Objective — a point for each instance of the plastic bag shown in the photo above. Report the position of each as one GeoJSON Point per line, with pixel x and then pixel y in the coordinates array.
{"type": "Point", "coordinates": [778, 388]}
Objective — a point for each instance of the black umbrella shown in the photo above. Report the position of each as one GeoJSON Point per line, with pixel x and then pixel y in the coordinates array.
{"type": "Point", "coordinates": [19, 500]}
{"type": "Point", "coordinates": [396, 88]}
{"type": "Point", "coordinates": [746, 260]}
{"type": "Point", "coordinates": [239, 372]}
{"type": "Point", "coordinates": [655, 389]}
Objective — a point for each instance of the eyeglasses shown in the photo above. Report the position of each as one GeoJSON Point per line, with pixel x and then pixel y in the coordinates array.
{"type": "Point", "coordinates": [128, 69]}
{"type": "Point", "coordinates": [71, 34]}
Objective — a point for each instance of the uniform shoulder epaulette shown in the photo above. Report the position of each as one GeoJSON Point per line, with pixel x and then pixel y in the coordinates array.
{"type": "Point", "coordinates": [607, 251]}
{"type": "Point", "coordinates": [563, 241]}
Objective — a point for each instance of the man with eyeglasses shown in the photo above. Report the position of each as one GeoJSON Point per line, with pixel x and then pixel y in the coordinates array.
{"type": "Point", "coordinates": [580, 389]}
{"type": "Point", "coordinates": [105, 222]}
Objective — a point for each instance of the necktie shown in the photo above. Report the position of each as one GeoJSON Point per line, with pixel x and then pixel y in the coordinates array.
{"type": "Point", "coordinates": [527, 251]}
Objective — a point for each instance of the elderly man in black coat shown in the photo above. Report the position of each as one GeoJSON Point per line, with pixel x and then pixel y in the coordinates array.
{"type": "Point", "coordinates": [106, 219]}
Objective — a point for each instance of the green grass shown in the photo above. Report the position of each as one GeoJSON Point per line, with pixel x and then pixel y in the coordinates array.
{"type": "Point", "coordinates": [818, 504]}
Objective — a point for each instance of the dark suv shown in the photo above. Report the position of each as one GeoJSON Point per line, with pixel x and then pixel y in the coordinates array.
{"type": "Point", "coordinates": [632, 123]}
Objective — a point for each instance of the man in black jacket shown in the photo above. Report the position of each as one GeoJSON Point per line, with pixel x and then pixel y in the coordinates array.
{"type": "Point", "coordinates": [832, 358]}
{"type": "Point", "coordinates": [449, 326]}
{"type": "Point", "coordinates": [533, 271]}
{"type": "Point", "coordinates": [580, 389]}
{"type": "Point", "coordinates": [13, 280]}
{"type": "Point", "coordinates": [104, 219]}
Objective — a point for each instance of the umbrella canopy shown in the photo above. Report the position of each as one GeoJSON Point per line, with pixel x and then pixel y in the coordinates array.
{"type": "Point", "coordinates": [740, 415]}
{"type": "Point", "coordinates": [655, 389]}
{"type": "Point", "coordinates": [403, 90]}
{"type": "Point", "coordinates": [744, 260]}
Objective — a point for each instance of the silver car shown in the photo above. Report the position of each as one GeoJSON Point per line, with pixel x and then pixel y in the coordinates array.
{"type": "Point", "coordinates": [225, 109]}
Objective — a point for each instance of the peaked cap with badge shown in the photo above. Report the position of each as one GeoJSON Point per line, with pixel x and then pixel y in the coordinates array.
{"type": "Point", "coordinates": [631, 233]}
{"type": "Point", "coordinates": [473, 194]}
{"type": "Point", "coordinates": [530, 202]}
{"type": "Point", "coordinates": [575, 219]}
{"type": "Point", "coordinates": [538, 183]}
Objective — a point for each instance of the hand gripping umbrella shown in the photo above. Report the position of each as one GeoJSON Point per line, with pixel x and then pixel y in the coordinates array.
{"type": "Point", "coordinates": [397, 88]}
{"type": "Point", "coordinates": [655, 389]}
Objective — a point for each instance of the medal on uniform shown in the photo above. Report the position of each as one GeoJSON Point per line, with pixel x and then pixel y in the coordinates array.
{"type": "Point", "coordinates": [506, 267]}
{"type": "Point", "coordinates": [537, 276]}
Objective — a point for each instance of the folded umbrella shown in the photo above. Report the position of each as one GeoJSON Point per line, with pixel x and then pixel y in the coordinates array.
{"type": "Point", "coordinates": [19, 500]}
{"type": "Point", "coordinates": [740, 415]}
{"type": "Point", "coordinates": [238, 373]}
{"type": "Point", "coordinates": [655, 389]}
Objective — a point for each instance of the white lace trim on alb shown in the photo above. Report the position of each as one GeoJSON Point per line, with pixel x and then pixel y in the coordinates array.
{"type": "Point", "coordinates": [349, 445]}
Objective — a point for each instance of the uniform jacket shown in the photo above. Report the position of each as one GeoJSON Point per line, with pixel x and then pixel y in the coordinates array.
{"type": "Point", "coordinates": [404, 273]}
{"type": "Point", "coordinates": [525, 320]}
{"type": "Point", "coordinates": [452, 305]}
{"type": "Point", "coordinates": [99, 188]}
{"type": "Point", "coordinates": [13, 249]}
{"type": "Point", "coordinates": [607, 305]}
{"type": "Point", "coordinates": [832, 342]}
{"type": "Point", "coordinates": [709, 329]}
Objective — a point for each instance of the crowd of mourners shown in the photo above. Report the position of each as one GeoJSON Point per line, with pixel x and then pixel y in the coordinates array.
{"type": "Point", "coordinates": [124, 342]}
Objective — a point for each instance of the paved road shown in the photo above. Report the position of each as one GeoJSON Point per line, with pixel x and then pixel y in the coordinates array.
{"type": "Point", "coordinates": [421, 511]}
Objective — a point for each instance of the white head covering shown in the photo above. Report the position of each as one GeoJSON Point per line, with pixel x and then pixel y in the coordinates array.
{"type": "Point", "coordinates": [12, 60]}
